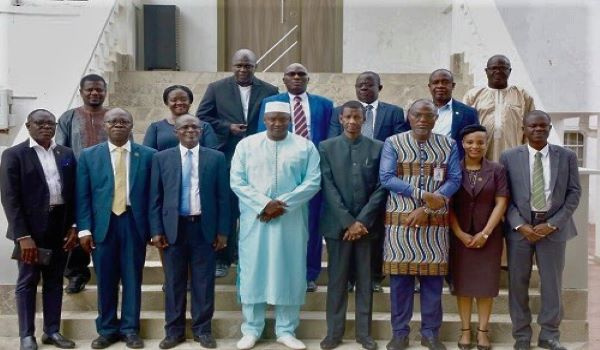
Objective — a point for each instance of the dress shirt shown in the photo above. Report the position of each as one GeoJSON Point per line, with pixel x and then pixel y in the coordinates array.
{"type": "Point", "coordinates": [305, 107]}
{"type": "Point", "coordinates": [48, 161]}
{"type": "Point", "coordinates": [245, 97]}
{"type": "Point", "coordinates": [375, 105]}
{"type": "Point", "coordinates": [546, 166]}
{"type": "Point", "coordinates": [113, 161]}
{"type": "Point", "coordinates": [195, 208]}
{"type": "Point", "coordinates": [443, 124]}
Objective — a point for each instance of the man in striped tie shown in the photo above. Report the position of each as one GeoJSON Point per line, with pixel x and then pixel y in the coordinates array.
{"type": "Point", "coordinates": [310, 116]}
{"type": "Point", "coordinates": [539, 220]}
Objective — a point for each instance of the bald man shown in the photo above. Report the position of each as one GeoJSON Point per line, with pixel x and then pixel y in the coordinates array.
{"type": "Point", "coordinates": [112, 219]}
{"type": "Point", "coordinates": [310, 116]}
{"type": "Point", "coordinates": [231, 106]}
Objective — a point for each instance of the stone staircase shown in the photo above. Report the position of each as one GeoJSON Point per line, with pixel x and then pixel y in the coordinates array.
{"type": "Point", "coordinates": [141, 94]}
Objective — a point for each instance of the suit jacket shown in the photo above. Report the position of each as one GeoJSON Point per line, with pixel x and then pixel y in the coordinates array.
{"type": "Point", "coordinates": [166, 188]}
{"type": "Point", "coordinates": [564, 188]}
{"type": "Point", "coordinates": [389, 121]}
{"type": "Point", "coordinates": [462, 115]}
{"type": "Point", "coordinates": [25, 194]}
{"type": "Point", "coordinates": [321, 110]}
{"type": "Point", "coordinates": [221, 106]}
{"type": "Point", "coordinates": [351, 187]}
{"type": "Point", "coordinates": [95, 189]}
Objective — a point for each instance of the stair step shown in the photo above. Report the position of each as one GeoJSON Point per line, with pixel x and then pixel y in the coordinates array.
{"type": "Point", "coordinates": [84, 344]}
{"type": "Point", "coordinates": [153, 274]}
{"type": "Point", "coordinates": [226, 324]}
{"type": "Point", "coordinates": [227, 300]}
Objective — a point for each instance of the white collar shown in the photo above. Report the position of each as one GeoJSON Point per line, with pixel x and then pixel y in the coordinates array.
{"type": "Point", "coordinates": [33, 144]}
{"type": "Point", "coordinates": [375, 104]}
{"type": "Point", "coordinates": [183, 150]}
{"type": "Point", "coordinates": [126, 146]}
{"type": "Point", "coordinates": [544, 151]}
{"type": "Point", "coordinates": [303, 96]}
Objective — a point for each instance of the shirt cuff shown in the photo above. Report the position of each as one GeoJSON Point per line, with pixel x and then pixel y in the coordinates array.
{"type": "Point", "coordinates": [20, 238]}
{"type": "Point", "coordinates": [84, 233]}
{"type": "Point", "coordinates": [518, 227]}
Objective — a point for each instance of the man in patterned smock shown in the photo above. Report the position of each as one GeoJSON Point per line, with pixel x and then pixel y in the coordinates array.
{"type": "Point", "coordinates": [421, 170]}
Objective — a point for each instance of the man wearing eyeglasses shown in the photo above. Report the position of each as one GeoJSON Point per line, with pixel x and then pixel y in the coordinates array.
{"type": "Point", "coordinates": [310, 116]}
{"type": "Point", "coordinates": [231, 106]}
{"type": "Point", "coordinates": [189, 221]}
{"type": "Point", "coordinates": [501, 107]}
{"type": "Point", "coordinates": [113, 185]}
{"type": "Point", "coordinates": [37, 180]}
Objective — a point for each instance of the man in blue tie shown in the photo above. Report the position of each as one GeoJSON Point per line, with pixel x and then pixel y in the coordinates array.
{"type": "Point", "coordinates": [113, 181]}
{"type": "Point", "coordinates": [189, 220]}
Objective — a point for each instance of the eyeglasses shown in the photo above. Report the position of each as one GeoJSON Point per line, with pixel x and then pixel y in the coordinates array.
{"type": "Point", "coordinates": [293, 74]}
{"type": "Point", "coordinates": [189, 127]}
{"type": "Point", "coordinates": [426, 117]}
{"type": "Point", "coordinates": [114, 122]}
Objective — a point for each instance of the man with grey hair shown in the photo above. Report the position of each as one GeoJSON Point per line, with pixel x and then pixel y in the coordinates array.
{"type": "Point", "coordinates": [231, 106]}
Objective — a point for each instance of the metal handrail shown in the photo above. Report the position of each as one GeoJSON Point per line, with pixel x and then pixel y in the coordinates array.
{"type": "Point", "coordinates": [87, 66]}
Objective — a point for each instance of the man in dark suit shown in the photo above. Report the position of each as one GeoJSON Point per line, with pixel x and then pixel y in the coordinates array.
{"type": "Point", "coordinates": [545, 191]}
{"type": "Point", "coordinates": [382, 121]}
{"type": "Point", "coordinates": [189, 220]}
{"type": "Point", "coordinates": [231, 106]}
{"type": "Point", "coordinates": [113, 183]}
{"type": "Point", "coordinates": [453, 115]}
{"type": "Point", "coordinates": [37, 183]}
{"type": "Point", "coordinates": [310, 119]}
{"type": "Point", "coordinates": [352, 217]}
{"type": "Point", "coordinates": [385, 119]}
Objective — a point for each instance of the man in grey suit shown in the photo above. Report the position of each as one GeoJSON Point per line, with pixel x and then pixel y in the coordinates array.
{"type": "Point", "coordinates": [352, 219]}
{"type": "Point", "coordinates": [539, 221]}
{"type": "Point", "coordinates": [232, 106]}
{"type": "Point", "coordinates": [189, 220]}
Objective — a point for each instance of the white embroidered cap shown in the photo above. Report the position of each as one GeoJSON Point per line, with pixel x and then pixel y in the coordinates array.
{"type": "Point", "coordinates": [277, 107]}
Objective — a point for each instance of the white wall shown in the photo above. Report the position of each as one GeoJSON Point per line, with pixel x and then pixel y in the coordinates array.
{"type": "Point", "coordinates": [388, 36]}
{"type": "Point", "coordinates": [197, 33]}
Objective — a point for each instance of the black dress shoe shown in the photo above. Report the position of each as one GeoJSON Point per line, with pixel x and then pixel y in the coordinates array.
{"type": "Point", "coordinates": [206, 341]}
{"type": "Point", "coordinates": [133, 341]}
{"type": "Point", "coordinates": [367, 343]}
{"type": "Point", "coordinates": [311, 286]}
{"type": "Point", "coordinates": [397, 343]}
{"type": "Point", "coordinates": [171, 342]}
{"type": "Point", "coordinates": [552, 344]}
{"type": "Point", "coordinates": [103, 342]}
{"type": "Point", "coordinates": [75, 285]}
{"type": "Point", "coordinates": [377, 288]}
{"type": "Point", "coordinates": [330, 343]}
{"type": "Point", "coordinates": [28, 343]}
{"type": "Point", "coordinates": [58, 340]}
{"type": "Point", "coordinates": [433, 343]}
{"type": "Point", "coordinates": [221, 270]}
{"type": "Point", "coordinates": [522, 345]}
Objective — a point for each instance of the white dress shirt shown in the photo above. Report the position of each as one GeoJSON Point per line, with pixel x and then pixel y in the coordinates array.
{"type": "Point", "coordinates": [546, 166]}
{"type": "Point", "coordinates": [113, 161]}
{"type": "Point", "coordinates": [51, 174]}
{"type": "Point", "coordinates": [305, 107]}
{"type": "Point", "coordinates": [245, 98]}
{"type": "Point", "coordinates": [443, 124]}
{"type": "Point", "coordinates": [375, 105]}
{"type": "Point", "coordinates": [195, 206]}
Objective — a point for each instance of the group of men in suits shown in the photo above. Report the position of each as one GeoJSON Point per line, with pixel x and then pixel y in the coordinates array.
{"type": "Point", "coordinates": [180, 200]}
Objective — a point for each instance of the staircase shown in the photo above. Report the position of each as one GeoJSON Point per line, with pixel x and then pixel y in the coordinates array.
{"type": "Point", "coordinates": [141, 94]}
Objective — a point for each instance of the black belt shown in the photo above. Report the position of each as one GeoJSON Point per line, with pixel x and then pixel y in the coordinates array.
{"type": "Point", "coordinates": [190, 218]}
{"type": "Point", "coordinates": [55, 207]}
{"type": "Point", "coordinates": [538, 217]}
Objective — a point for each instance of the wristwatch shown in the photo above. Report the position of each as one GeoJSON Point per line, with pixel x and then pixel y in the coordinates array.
{"type": "Point", "coordinates": [554, 228]}
{"type": "Point", "coordinates": [485, 235]}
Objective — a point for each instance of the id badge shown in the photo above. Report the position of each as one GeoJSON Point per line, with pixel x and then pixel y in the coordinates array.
{"type": "Point", "coordinates": [438, 174]}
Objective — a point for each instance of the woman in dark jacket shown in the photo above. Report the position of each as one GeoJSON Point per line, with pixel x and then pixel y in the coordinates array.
{"type": "Point", "coordinates": [476, 243]}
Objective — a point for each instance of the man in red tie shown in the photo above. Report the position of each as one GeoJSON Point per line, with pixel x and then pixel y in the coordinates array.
{"type": "Point", "coordinates": [310, 118]}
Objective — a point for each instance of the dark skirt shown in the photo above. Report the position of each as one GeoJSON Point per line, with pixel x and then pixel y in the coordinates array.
{"type": "Point", "coordinates": [475, 272]}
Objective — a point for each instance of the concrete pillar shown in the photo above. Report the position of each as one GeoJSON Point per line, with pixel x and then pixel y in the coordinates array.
{"type": "Point", "coordinates": [576, 260]}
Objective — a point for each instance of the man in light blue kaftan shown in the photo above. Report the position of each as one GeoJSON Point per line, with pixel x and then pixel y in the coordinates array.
{"type": "Point", "coordinates": [274, 174]}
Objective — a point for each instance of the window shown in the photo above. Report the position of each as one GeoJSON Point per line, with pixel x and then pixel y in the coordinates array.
{"type": "Point", "coordinates": [574, 142]}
